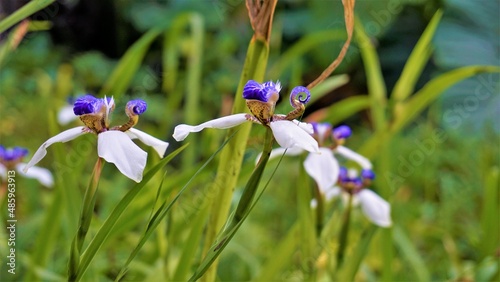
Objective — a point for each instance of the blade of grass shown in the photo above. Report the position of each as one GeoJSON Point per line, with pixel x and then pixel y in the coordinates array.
{"type": "Point", "coordinates": [376, 86]}
{"type": "Point", "coordinates": [419, 101]}
{"type": "Point", "coordinates": [431, 91]}
{"type": "Point", "coordinates": [307, 222]}
{"type": "Point", "coordinates": [103, 232]}
{"type": "Point", "coordinates": [24, 12]}
{"type": "Point", "coordinates": [162, 212]}
{"type": "Point", "coordinates": [280, 256]}
{"type": "Point", "coordinates": [416, 62]}
{"type": "Point", "coordinates": [248, 200]}
{"type": "Point", "coordinates": [47, 235]}
{"type": "Point", "coordinates": [327, 86]}
{"type": "Point", "coordinates": [490, 225]}
{"type": "Point", "coordinates": [119, 80]}
{"type": "Point", "coordinates": [193, 86]}
{"type": "Point", "coordinates": [346, 108]}
{"type": "Point", "coordinates": [231, 157]}
{"type": "Point", "coordinates": [411, 254]}
{"type": "Point", "coordinates": [189, 250]}
{"type": "Point", "coordinates": [15, 37]}
{"type": "Point", "coordinates": [360, 251]}
{"type": "Point", "coordinates": [86, 216]}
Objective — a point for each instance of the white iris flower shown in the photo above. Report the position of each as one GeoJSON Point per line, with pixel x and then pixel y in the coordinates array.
{"type": "Point", "coordinates": [113, 144]}
{"type": "Point", "coordinates": [261, 100]}
{"type": "Point", "coordinates": [376, 209]}
{"type": "Point", "coordinates": [332, 179]}
{"type": "Point", "coordinates": [10, 159]}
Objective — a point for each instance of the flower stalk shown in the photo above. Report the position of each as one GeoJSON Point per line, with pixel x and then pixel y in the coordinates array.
{"type": "Point", "coordinates": [232, 156]}
{"type": "Point", "coordinates": [344, 232]}
{"type": "Point", "coordinates": [243, 208]}
{"type": "Point", "coordinates": [85, 219]}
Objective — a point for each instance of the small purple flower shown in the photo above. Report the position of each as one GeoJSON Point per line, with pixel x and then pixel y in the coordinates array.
{"type": "Point", "coordinates": [367, 174]}
{"type": "Point", "coordinates": [342, 132]}
{"type": "Point", "coordinates": [13, 154]}
{"type": "Point", "coordinates": [11, 159]}
{"type": "Point", "coordinates": [343, 174]}
{"type": "Point", "coordinates": [138, 107]}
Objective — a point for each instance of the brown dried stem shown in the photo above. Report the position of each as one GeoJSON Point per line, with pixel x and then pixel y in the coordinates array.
{"type": "Point", "coordinates": [261, 17]}
{"type": "Point", "coordinates": [349, 25]}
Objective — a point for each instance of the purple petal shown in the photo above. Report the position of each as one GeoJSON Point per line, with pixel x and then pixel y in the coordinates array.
{"type": "Point", "coordinates": [15, 153]}
{"type": "Point", "coordinates": [87, 104]}
{"type": "Point", "coordinates": [137, 106]}
{"type": "Point", "coordinates": [297, 93]}
{"type": "Point", "coordinates": [342, 132]}
{"type": "Point", "coordinates": [368, 174]}
{"type": "Point", "coordinates": [261, 92]}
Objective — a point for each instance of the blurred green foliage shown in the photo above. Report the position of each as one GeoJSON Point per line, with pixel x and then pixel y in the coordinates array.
{"type": "Point", "coordinates": [439, 170]}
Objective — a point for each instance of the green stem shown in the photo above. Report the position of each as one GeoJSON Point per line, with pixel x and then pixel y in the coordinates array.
{"type": "Point", "coordinates": [191, 111]}
{"type": "Point", "coordinates": [89, 203]}
{"type": "Point", "coordinates": [320, 210]}
{"type": "Point", "coordinates": [232, 155]}
{"type": "Point", "coordinates": [343, 234]}
{"type": "Point", "coordinates": [253, 183]}
{"type": "Point", "coordinates": [85, 219]}
{"type": "Point", "coordinates": [243, 208]}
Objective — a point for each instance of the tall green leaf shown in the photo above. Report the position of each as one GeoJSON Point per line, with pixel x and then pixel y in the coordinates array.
{"type": "Point", "coordinates": [103, 232]}
{"type": "Point", "coordinates": [24, 12]}
{"type": "Point", "coordinates": [416, 62]}
{"type": "Point", "coordinates": [231, 158]}
{"type": "Point", "coordinates": [122, 75]}
{"type": "Point", "coordinates": [376, 85]}
{"type": "Point", "coordinates": [431, 91]}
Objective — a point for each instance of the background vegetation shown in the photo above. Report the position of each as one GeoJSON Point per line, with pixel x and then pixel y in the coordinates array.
{"type": "Point", "coordinates": [428, 122]}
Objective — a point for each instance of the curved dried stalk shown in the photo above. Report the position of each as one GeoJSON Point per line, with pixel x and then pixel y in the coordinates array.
{"type": "Point", "coordinates": [261, 17]}
{"type": "Point", "coordinates": [349, 25]}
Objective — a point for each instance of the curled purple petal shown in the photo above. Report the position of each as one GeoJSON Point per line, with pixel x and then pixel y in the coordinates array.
{"type": "Point", "coordinates": [87, 104]}
{"type": "Point", "coordinates": [342, 132]}
{"type": "Point", "coordinates": [137, 106]}
{"type": "Point", "coordinates": [367, 174]}
{"type": "Point", "coordinates": [298, 93]}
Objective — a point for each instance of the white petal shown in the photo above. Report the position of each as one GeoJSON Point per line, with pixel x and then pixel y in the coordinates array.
{"type": "Point", "coordinates": [314, 203]}
{"type": "Point", "coordinates": [323, 168]}
{"type": "Point", "coordinates": [350, 154]}
{"type": "Point", "coordinates": [117, 147]}
{"type": "Point", "coordinates": [64, 136]}
{"type": "Point", "coordinates": [278, 152]}
{"type": "Point", "coordinates": [375, 208]}
{"type": "Point", "coordinates": [332, 193]}
{"type": "Point", "coordinates": [182, 130]}
{"type": "Point", "coordinates": [3, 171]}
{"type": "Point", "coordinates": [290, 135]}
{"type": "Point", "coordinates": [66, 115]}
{"type": "Point", "coordinates": [307, 127]}
{"type": "Point", "coordinates": [159, 146]}
{"type": "Point", "coordinates": [43, 175]}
